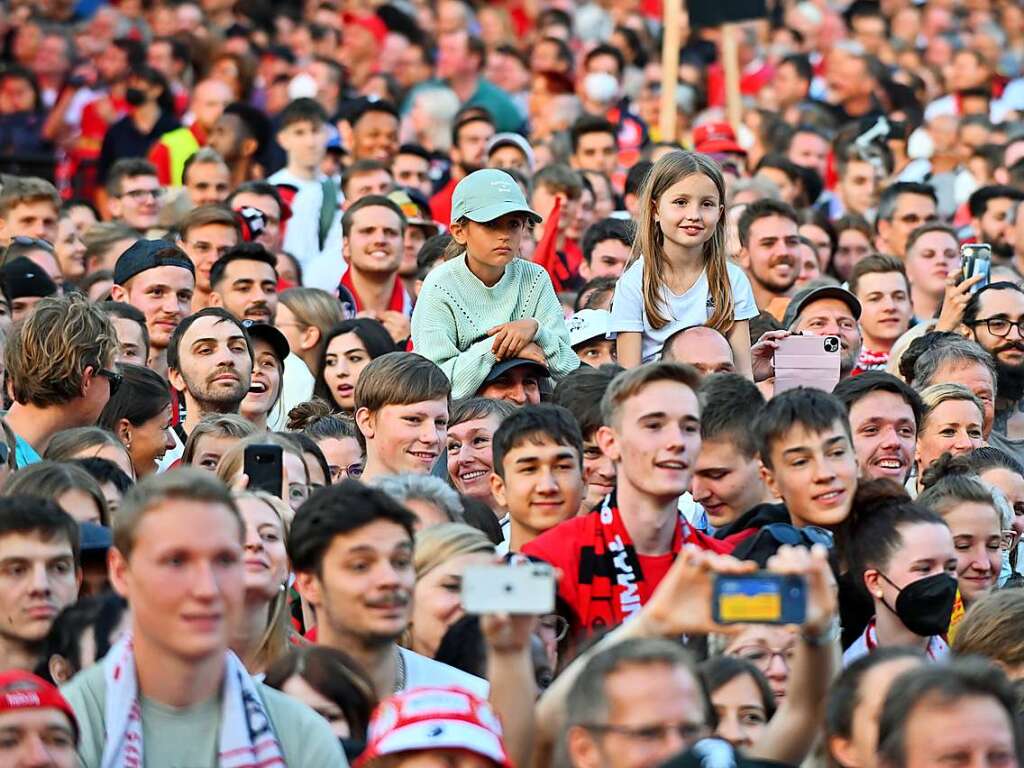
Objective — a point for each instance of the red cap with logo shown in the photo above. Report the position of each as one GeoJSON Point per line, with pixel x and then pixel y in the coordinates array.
{"type": "Point", "coordinates": [23, 690]}
{"type": "Point", "coordinates": [434, 718]}
{"type": "Point", "coordinates": [711, 138]}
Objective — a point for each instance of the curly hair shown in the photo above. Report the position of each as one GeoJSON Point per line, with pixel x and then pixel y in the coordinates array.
{"type": "Point", "coordinates": [48, 352]}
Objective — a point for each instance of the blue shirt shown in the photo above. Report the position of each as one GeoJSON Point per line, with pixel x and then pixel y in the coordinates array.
{"type": "Point", "coordinates": [24, 453]}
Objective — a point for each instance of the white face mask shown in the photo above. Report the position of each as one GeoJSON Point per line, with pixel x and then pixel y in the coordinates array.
{"type": "Point", "coordinates": [601, 87]}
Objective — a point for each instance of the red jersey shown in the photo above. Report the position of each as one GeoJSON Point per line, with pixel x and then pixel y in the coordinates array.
{"type": "Point", "coordinates": [604, 581]}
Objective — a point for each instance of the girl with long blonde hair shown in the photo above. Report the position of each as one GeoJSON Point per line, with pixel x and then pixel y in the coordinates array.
{"type": "Point", "coordinates": [678, 274]}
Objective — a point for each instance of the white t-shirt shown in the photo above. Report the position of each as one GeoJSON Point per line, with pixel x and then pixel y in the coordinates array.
{"type": "Point", "coordinates": [690, 308]}
{"type": "Point", "coordinates": [421, 671]}
{"type": "Point", "coordinates": [320, 268]}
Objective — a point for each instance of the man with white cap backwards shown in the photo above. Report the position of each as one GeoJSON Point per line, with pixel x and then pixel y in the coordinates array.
{"type": "Point", "coordinates": [485, 306]}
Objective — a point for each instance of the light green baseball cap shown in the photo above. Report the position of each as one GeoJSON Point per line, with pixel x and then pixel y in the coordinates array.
{"type": "Point", "coordinates": [487, 195]}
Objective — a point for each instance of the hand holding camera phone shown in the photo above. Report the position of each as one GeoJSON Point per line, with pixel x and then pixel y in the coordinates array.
{"type": "Point", "coordinates": [264, 465]}
{"type": "Point", "coordinates": [523, 589]}
{"type": "Point", "coordinates": [976, 259]}
{"type": "Point", "coordinates": [759, 598]}
{"type": "Point", "coordinates": [807, 361]}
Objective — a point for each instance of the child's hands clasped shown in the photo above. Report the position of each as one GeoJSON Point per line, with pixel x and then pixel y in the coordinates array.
{"type": "Point", "coordinates": [510, 338]}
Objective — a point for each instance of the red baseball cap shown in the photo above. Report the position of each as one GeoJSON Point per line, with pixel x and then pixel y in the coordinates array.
{"type": "Point", "coordinates": [710, 138]}
{"type": "Point", "coordinates": [434, 718]}
{"type": "Point", "coordinates": [23, 690]}
{"type": "Point", "coordinates": [371, 22]}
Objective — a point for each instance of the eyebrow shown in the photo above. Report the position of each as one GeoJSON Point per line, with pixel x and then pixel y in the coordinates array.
{"type": "Point", "coordinates": [568, 453]}
{"type": "Point", "coordinates": [806, 448]}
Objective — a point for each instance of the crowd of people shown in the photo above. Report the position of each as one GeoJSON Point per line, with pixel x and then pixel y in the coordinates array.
{"type": "Point", "coordinates": [443, 267]}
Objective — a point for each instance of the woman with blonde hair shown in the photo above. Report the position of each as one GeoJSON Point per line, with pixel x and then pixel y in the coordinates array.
{"type": "Point", "coordinates": [212, 437]}
{"type": "Point", "coordinates": [304, 316]}
{"type": "Point", "coordinates": [262, 637]}
{"type": "Point", "coordinates": [442, 553]}
{"type": "Point", "coordinates": [992, 629]}
{"type": "Point", "coordinates": [295, 474]}
{"type": "Point", "coordinates": [952, 422]}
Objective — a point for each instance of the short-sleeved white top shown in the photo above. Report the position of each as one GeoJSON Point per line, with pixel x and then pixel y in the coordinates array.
{"type": "Point", "coordinates": [692, 307]}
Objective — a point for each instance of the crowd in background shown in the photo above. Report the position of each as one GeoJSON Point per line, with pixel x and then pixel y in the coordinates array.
{"type": "Point", "coordinates": [437, 265]}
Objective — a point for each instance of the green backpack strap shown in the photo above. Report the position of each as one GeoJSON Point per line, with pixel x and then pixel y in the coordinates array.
{"type": "Point", "coordinates": [328, 207]}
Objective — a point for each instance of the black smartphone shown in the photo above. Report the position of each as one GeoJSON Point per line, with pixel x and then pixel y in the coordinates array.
{"type": "Point", "coordinates": [759, 598]}
{"type": "Point", "coordinates": [264, 464]}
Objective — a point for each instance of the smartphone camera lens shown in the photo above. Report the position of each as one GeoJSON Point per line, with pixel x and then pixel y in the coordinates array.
{"type": "Point", "coordinates": [831, 344]}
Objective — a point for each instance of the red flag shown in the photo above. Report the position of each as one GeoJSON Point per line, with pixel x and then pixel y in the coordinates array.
{"type": "Point", "coordinates": [546, 253]}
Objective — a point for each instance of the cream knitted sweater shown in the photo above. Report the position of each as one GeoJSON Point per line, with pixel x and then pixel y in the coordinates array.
{"type": "Point", "coordinates": [455, 310]}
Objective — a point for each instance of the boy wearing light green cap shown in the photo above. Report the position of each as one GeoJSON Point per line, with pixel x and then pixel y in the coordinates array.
{"type": "Point", "coordinates": [484, 304]}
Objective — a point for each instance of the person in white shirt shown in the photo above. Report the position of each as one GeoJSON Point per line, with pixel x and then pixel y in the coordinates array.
{"type": "Point", "coordinates": [313, 234]}
{"type": "Point", "coordinates": [356, 570]}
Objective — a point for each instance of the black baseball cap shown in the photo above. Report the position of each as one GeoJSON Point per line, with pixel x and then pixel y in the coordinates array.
{"type": "Point", "coordinates": [504, 366]}
{"type": "Point", "coordinates": [149, 254]}
{"type": "Point", "coordinates": [806, 296]}
{"type": "Point", "coordinates": [22, 278]}
{"type": "Point", "coordinates": [269, 334]}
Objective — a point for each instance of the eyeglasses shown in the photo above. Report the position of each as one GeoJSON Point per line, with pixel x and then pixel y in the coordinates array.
{"type": "Point", "coordinates": [557, 625]}
{"type": "Point", "coordinates": [654, 733]}
{"type": "Point", "coordinates": [115, 379]}
{"type": "Point", "coordinates": [761, 656]}
{"type": "Point", "coordinates": [1000, 326]}
{"type": "Point", "coordinates": [1008, 540]}
{"type": "Point", "coordinates": [141, 194]}
{"type": "Point", "coordinates": [354, 471]}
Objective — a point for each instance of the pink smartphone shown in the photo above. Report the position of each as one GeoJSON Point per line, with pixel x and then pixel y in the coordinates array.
{"type": "Point", "coordinates": [807, 361]}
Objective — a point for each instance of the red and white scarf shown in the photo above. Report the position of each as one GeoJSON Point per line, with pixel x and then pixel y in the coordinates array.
{"type": "Point", "coordinates": [247, 738]}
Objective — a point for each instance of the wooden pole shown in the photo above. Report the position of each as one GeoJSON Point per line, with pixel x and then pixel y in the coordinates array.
{"type": "Point", "coordinates": [731, 66]}
{"type": "Point", "coordinates": [670, 44]}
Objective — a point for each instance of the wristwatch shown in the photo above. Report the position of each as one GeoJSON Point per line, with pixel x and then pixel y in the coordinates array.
{"type": "Point", "coordinates": [826, 637]}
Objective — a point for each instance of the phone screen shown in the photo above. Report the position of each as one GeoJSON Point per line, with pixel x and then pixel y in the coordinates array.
{"type": "Point", "coordinates": [761, 598]}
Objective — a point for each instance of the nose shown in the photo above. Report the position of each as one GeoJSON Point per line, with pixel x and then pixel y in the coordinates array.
{"type": "Point", "coordinates": [729, 729]}
{"type": "Point", "coordinates": [517, 393]}
{"type": "Point", "coordinates": [699, 491]}
{"type": "Point", "coordinates": [890, 437]}
{"type": "Point", "coordinates": [823, 471]}
{"type": "Point", "coordinates": [777, 668]}
{"type": "Point", "coordinates": [962, 443]}
{"type": "Point", "coordinates": [33, 753]}
{"type": "Point", "coordinates": [204, 581]}
{"type": "Point", "coordinates": [673, 744]}
{"type": "Point", "coordinates": [547, 483]}
{"type": "Point", "coordinates": [168, 439]}
{"type": "Point", "coordinates": [40, 580]}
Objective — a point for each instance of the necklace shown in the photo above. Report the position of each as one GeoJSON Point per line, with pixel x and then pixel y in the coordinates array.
{"type": "Point", "coordinates": [399, 670]}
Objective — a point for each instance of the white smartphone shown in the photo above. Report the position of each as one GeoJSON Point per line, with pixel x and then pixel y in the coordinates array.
{"type": "Point", "coordinates": [807, 361]}
{"type": "Point", "coordinates": [528, 589]}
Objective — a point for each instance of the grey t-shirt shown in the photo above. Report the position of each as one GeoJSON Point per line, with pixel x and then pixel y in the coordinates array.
{"type": "Point", "coordinates": [187, 738]}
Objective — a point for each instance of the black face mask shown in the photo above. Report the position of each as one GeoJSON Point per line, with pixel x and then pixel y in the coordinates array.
{"type": "Point", "coordinates": [925, 606]}
{"type": "Point", "coordinates": [135, 97]}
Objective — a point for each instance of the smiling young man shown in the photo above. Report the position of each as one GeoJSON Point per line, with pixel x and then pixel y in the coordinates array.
{"type": "Point", "coordinates": [374, 230]}
{"type": "Point", "coordinates": [209, 361]}
{"type": "Point", "coordinates": [356, 570]}
{"type": "Point", "coordinates": [884, 414]}
{"type": "Point", "coordinates": [170, 688]}
{"type": "Point", "coordinates": [807, 461]}
{"type": "Point", "coordinates": [39, 575]}
{"type": "Point", "coordinates": [727, 475]}
{"type": "Point", "coordinates": [769, 238]}
{"type": "Point", "coordinates": [244, 282]}
{"type": "Point", "coordinates": [537, 456]}
{"type": "Point", "coordinates": [881, 286]}
{"type": "Point", "coordinates": [401, 409]}
{"type": "Point", "coordinates": [613, 558]}
{"type": "Point", "coordinates": [157, 279]}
